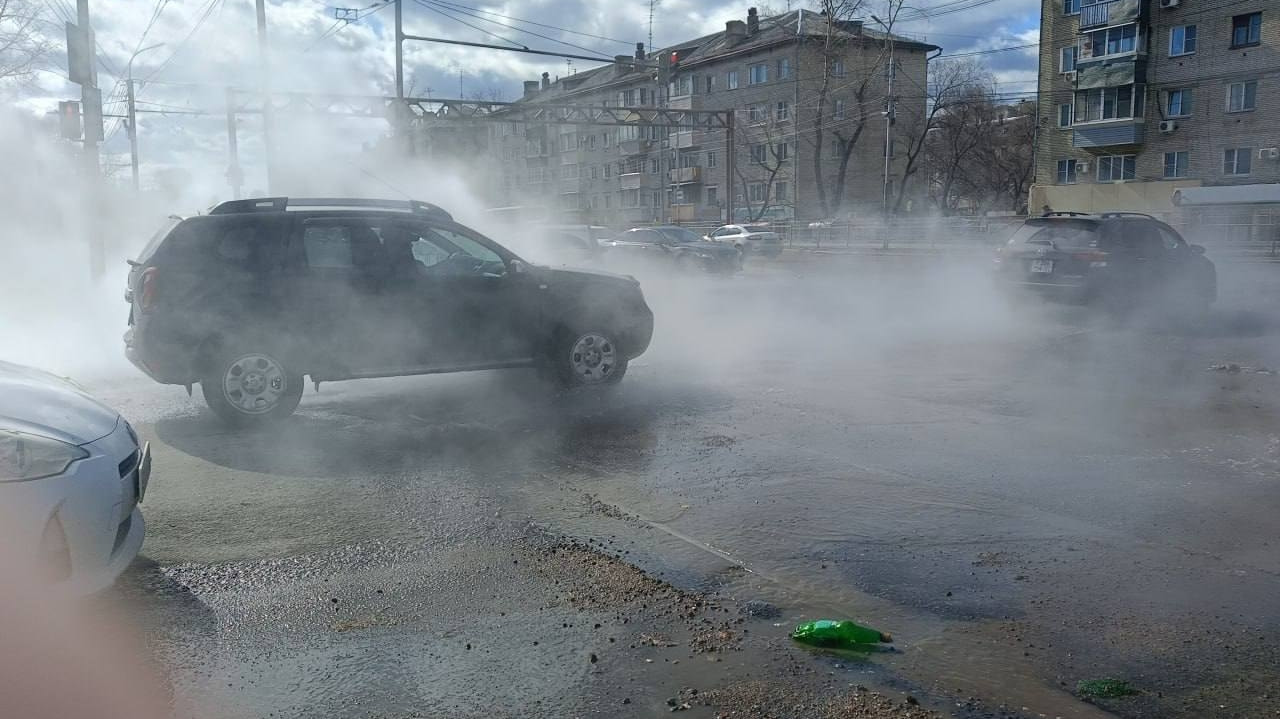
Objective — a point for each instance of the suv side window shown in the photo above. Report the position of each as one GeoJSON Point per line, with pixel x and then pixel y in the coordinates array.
{"type": "Point", "coordinates": [327, 247]}
{"type": "Point", "coordinates": [433, 250]}
{"type": "Point", "coordinates": [1172, 242]}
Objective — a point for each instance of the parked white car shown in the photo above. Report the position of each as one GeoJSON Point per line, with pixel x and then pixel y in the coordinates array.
{"type": "Point", "coordinates": [72, 473]}
{"type": "Point", "coordinates": [750, 239]}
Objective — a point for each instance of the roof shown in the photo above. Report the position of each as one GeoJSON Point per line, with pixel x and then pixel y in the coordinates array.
{"type": "Point", "coordinates": [1261, 194]}
{"type": "Point", "coordinates": [775, 30]}
{"type": "Point", "coordinates": [283, 204]}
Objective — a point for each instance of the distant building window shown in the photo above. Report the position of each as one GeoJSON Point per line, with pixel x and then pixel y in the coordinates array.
{"type": "Point", "coordinates": [1237, 161]}
{"type": "Point", "coordinates": [653, 166]}
{"type": "Point", "coordinates": [1108, 103]}
{"type": "Point", "coordinates": [710, 84]}
{"type": "Point", "coordinates": [1175, 164]}
{"type": "Point", "coordinates": [608, 170]}
{"type": "Point", "coordinates": [1246, 30]}
{"type": "Point", "coordinates": [1067, 59]}
{"type": "Point", "coordinates": [837, 68]}
{"type": "Point", "coordinates": [1066, 172]}
{"type": "Point", "coordinates": [758, 74]}
{"type": "Point", "coordinates": [780, 191]}
{"type": "Point", "coordinates": [755, 114]}
{"type": "Point", "coordinates": [782, 111]}
{"type": "Point", "coordinates": [1242, 96]}
{"type": "Point", "coordinates": [1182, 40]}
{"type": "Point", "coordinates": [1177, 103]}
{"type": "Point", "coordinates": [1117, 168]}
{"type": "Point", "coordinates": [1111, 41]}
{"type": "Point", "coordinates": [781, 151]}
{"type": "Point", "coordinates": [731, 80]}
{"type": "Point", "coordinates": [837, 110]}
{"type": "Point", "coordinates": [756, 192]}
{"type": "Point", "coordinates": [1064, 114]}
{"type": "Point", "coordinates": [712, 196]}
{"type": "Point", "coordinates": [1070, 7]}
{"type": "Point", "coordinates": [759, 153]}
{"type": "Point", "coordinates": [784, 68]}
{"type": "Point", "coordinates": [711, 158]}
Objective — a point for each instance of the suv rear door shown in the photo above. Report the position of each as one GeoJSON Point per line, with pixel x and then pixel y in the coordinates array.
{"type": "Point", "coordinates": [1052, 251]}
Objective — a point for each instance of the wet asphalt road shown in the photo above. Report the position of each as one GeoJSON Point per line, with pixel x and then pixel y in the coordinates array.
{"type": "Point", "coordinates": [1026, 496]}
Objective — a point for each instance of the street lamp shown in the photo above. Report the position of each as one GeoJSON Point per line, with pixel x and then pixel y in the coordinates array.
{"type": "Point", "coordinates": [133, 115]}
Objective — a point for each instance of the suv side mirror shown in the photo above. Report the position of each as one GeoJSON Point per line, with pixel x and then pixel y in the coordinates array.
{"type": "Point", "coordinates": [517, 267]}
{"type": "Point", "coordinates": [1196, 249]}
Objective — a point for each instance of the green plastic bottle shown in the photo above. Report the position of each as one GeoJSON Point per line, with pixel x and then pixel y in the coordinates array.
{"type": "Point", "coordinates": [837, 634]}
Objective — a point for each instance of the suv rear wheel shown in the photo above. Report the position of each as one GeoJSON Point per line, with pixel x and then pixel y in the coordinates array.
{"type": "Point", "coordinates": [587, 359]}
{"type": "Point", "coordinates": [248, 388]}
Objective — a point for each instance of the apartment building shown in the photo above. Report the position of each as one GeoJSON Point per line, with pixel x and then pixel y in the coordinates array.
{"type": "Point", "coordinates": [1139, 98]}
{"type": "Point", "coordinates": [798, 103]}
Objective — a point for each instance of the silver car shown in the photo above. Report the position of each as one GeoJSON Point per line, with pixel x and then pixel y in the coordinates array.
{"type": "Point", "coordinates": [72, 473]}
{"type": "Point", "coordinates": [750, 239]}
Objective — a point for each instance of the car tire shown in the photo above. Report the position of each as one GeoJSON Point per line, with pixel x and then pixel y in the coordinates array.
{"type": "Point", "coordinates": [253, 387]}
{"type": "Point", "coordinates": [582, 359]}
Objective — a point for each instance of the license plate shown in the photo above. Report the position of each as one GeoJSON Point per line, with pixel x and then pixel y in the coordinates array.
{"type": "Point", "coordinates": [1042, 267]}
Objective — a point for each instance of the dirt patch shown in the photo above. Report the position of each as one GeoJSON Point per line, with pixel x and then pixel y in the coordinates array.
{"type": "Point", "coordinates": [774, 700]}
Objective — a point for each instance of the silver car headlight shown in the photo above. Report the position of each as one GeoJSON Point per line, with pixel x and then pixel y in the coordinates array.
{"type": "Point", "coordinates": [25, 456]}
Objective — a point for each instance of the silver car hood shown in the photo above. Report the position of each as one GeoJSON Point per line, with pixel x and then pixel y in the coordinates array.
{"type": "Point", "coordinates": [41, 403]}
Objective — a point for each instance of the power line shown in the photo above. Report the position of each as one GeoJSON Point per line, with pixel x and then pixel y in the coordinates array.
{"type": "Point", "coordinates": [992, 50]}
{"type": "Point", "coordinates": [473, 27]}
{"type": "Point", "coordinates": [436, 3]}
{"type": "Point", "coordinates": [208, 11]}
{"type": "Point", "coordinates": [532, 22]}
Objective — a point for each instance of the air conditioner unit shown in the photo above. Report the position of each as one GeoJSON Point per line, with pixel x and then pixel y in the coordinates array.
{"type": "Point", "coordinates": [1167, 126]}
{"type": "Point", "coordinates": [1082, 166]}
{"type": "Point", "coordinates": [1170, 4]}
{"type": "Point", "coordinates": [1269, 153]}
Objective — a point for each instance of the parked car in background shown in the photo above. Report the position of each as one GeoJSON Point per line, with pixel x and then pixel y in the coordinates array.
{"type": "Point", "coordinates": [1121, 260]}
{"type": "Point", "coordinates": [72, 473]}
{"type": "Point", "coordinates": [749, 239]}
{"type": "Point", "coordinates": [257, 294]}
{"type": "Point", "coordinates": [569, 244]}
{"type": "Point", "coordinates": [667, 247]}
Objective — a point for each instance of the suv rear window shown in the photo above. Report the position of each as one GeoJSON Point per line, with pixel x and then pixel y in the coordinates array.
{"type": "Point", "coordinates": [1061, 235]}
{"type": "Point", "coordinates": [153, 244]}
{"type": "Point", "coordinates": [205, 242]}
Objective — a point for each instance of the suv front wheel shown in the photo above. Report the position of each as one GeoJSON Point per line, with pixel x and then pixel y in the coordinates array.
{"type": "Point", "coordinates": [247, 388]}
{"type": "Point", "coordinates": [587, 359]}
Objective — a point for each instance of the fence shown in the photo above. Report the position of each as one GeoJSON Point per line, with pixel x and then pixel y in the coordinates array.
{"type": "Point", "coordinates": [1247, 235]}
{"type": "Point", "coordinates": [895, 235]}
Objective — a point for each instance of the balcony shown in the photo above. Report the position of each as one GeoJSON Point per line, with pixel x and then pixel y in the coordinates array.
{"type": "Point", "coordinates": [1111, 75]}
{"type": "Point", "coordinates": [1116, 12]}
{"type": "Point", "coordinates": [687, 139]}
{"type": "Point", "coordinates": [686, 175]}
{"type": "Point", "coordinates": [569, 158]}
{"type": "Point", "coordinates": [631, 180]}
{"type": "Point", "coordinates": [1108, 135]}
{"type": "Point", "coordinates": [685, 102]}
{"type": "Point", "coordinates": [633, 147]}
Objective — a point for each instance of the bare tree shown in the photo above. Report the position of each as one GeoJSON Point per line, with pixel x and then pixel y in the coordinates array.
{"type": "Point", "coordinates": [959, 134]}
{"type": "Point", "coordinates": [840, 33]}
{"type": "Point", "coordinates": [767, 154]}
{"type": "Point", "coordinates": [950, 83]}
{"type": "Point", "coordinates": [21, 46]}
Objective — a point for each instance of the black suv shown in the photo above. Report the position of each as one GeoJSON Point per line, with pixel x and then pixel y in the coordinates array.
{"type": "Point", "coordinates": [258, 293]}
{"type": "Point", "coordinates": [1118, 259]}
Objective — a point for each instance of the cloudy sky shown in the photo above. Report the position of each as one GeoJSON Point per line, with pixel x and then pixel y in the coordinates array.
{"type": "Point", "coordinates": [192, 49]}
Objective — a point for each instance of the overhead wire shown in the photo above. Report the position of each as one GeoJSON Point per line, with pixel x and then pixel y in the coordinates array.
{"type": "Point", "coordinates": [437, 4]}
{"type": "Point", "coordinates": [473, 27]}
{"type": "Point", "coordinates": [535, 23]}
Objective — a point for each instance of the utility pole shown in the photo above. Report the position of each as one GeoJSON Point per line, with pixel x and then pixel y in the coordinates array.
{"type": "Point", "coordinates": [235, 176]}
{"type": "Point", "coordinates": [91, 104]}
{"type": "Point", "coordinates": [132, 121]}
{"type": "Point", "coordinates": [888, 128]}
{"type": "Point", "coordinates": [268, 134]}
{"type": "Point", "coordinates": [400, 114]}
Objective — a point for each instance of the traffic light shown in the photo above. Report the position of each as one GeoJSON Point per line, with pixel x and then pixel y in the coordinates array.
{"type": "Point", "coordinates": [69, 120]}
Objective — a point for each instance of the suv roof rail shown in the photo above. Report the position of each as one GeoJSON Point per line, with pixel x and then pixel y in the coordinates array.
{"type": "Point", "coordinates": [1128, 214]}
{"type": "Point", "coordinates": [281, 204]}
{"type": "Point", "coordinates": [1065, 213]}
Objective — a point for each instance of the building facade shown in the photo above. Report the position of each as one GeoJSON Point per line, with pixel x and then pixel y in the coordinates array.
{"type": "Point", "coordinates": [1139, 98]}
{"type": "Point", "coordinates": [809, 103]}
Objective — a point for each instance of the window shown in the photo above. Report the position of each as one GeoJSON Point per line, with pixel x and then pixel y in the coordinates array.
{"type": "Point", "coordinates": [1246, 30]}
{"type": "Point", "coordinates": [780, 191]}
{"type": "Point", "coordinates": [712, 196]}
{"type": "Point", "coordinates": [608, 170]}
{"type": "Point", "coordinates": [756, 192]}
{"type": "Point", "coordinates": [1114, 168]}
{"type": "Point", "coordinates": [781, 151]}
{"type": "Point", "coordinates": [1177, 103]}
{"type": "Point", "coordinates": [784, 68]}
{"type": "Point", "coordinates": [1065, 112]}
{"type": "Point", "coordinates": [432, 248]}
{"type": "Point", "coordinates": [1237, 160]}
{"type": "Point", "coordinates": [1242, 96]}
{"type": "Point", "coordinates": [757, 74]}
{"type": "Point", "coordinates": [608, 200]}
{"type": "Point", "coordinates": [782, 111]}
{"type": "Point", "coordinates": [327, 247]}
{"type": "Point", "coordinates": [837, 68]}
{"type": "Point", "coordinates": [657, 199]}
{"type": "Point", "coordinates": [608, 138]}
{"type": "Point", "coordinates": [1182, 40]}
{"type": "Point", "coordinates": [1175, 164]}
{"type": "Point", "coordinates": [1067, 59]}
{"type": "Point", "coordinates": [653, 166]}
{"type": "Point", "coordinates": [1111, 41]}
{"type": "Point", "coordinates": [759, 153]}
{"type": "Point", "coordinates": [837, 110]}
{"type": "Point", "coordinates": [731, 80]}
{"type": "Point", "coordinates": [1109, 103]}
{"type": "Point", "coordinates": [1070, 7]}
{"type": "Point", "coordinates": [711, 158]}
{"type": "Point", "coordinates": [594, 172]}
{"type": "Point", "coordinates": [1066, 172]}
{"type": "Point", "coordinates": [710, 84]}
{"type": "Point", "coordinates": [755, 114]}
{"type": "Point", "coordinates": [591, 142]}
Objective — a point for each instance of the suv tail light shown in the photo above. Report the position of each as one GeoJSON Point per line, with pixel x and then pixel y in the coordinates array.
{"type": "Point", "coordinates": [1095, 258]}
{"type": "Point", "coordinates": [147, 289]}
